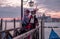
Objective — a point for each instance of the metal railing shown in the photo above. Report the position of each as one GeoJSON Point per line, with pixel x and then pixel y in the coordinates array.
{"type": "Point", "coordinates": [27, 33]}
{"type": "Point", "coordinates": [17, 33]}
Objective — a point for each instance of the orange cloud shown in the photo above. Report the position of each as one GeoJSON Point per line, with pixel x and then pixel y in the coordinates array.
{"type": "Point", "coordinates": [10, 18]}
{"type": "Point", "coordinates": [49, 12]}
{"type": "Point", "coordinates": [54, 14]}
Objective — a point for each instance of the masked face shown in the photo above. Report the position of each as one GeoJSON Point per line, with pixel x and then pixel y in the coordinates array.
{"type": "Point", "coordinates": [26, 13]}
{"type": "Point", "coordinates": [33, 15]}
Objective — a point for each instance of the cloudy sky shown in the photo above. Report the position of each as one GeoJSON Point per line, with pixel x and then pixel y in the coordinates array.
{"type": "Point", "coordinates": [50, 7]}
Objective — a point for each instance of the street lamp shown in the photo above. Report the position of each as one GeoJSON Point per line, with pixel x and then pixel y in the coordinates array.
{"type": "Point", "coordinates": [25, 0]}
{"type": "Point", "coordinates": [21, 9]}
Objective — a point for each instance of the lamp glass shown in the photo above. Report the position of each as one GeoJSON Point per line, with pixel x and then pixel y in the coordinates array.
{"type": "Point", "coordinates": [25, 0]}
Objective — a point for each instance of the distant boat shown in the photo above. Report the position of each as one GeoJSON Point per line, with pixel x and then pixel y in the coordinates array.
{"type": "Point", "coordinates": [53, 35]}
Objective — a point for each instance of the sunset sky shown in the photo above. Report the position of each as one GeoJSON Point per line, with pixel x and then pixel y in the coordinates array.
{"type": "Point", "coordinates": [49, 7]}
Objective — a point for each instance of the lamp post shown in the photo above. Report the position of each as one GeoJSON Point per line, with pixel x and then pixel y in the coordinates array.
{"type": "Point", "coordinates": [21, 9]}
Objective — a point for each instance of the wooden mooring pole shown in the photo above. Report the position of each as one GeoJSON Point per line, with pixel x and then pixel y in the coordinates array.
{"type": "Point", "coordinates": [14, 29]}
{"type": "Point", "coordinates": [1, 28]}
{"type": "Point", "coordinates": [42, 29]}
{"type": "Point", "coordinates": [1, 24]}
{"type": "Point", "coordinates": [5, 24]}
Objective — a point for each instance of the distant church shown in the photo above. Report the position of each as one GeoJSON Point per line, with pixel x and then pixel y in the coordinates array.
{"type": "Point", "coordinates": [45, 18]}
